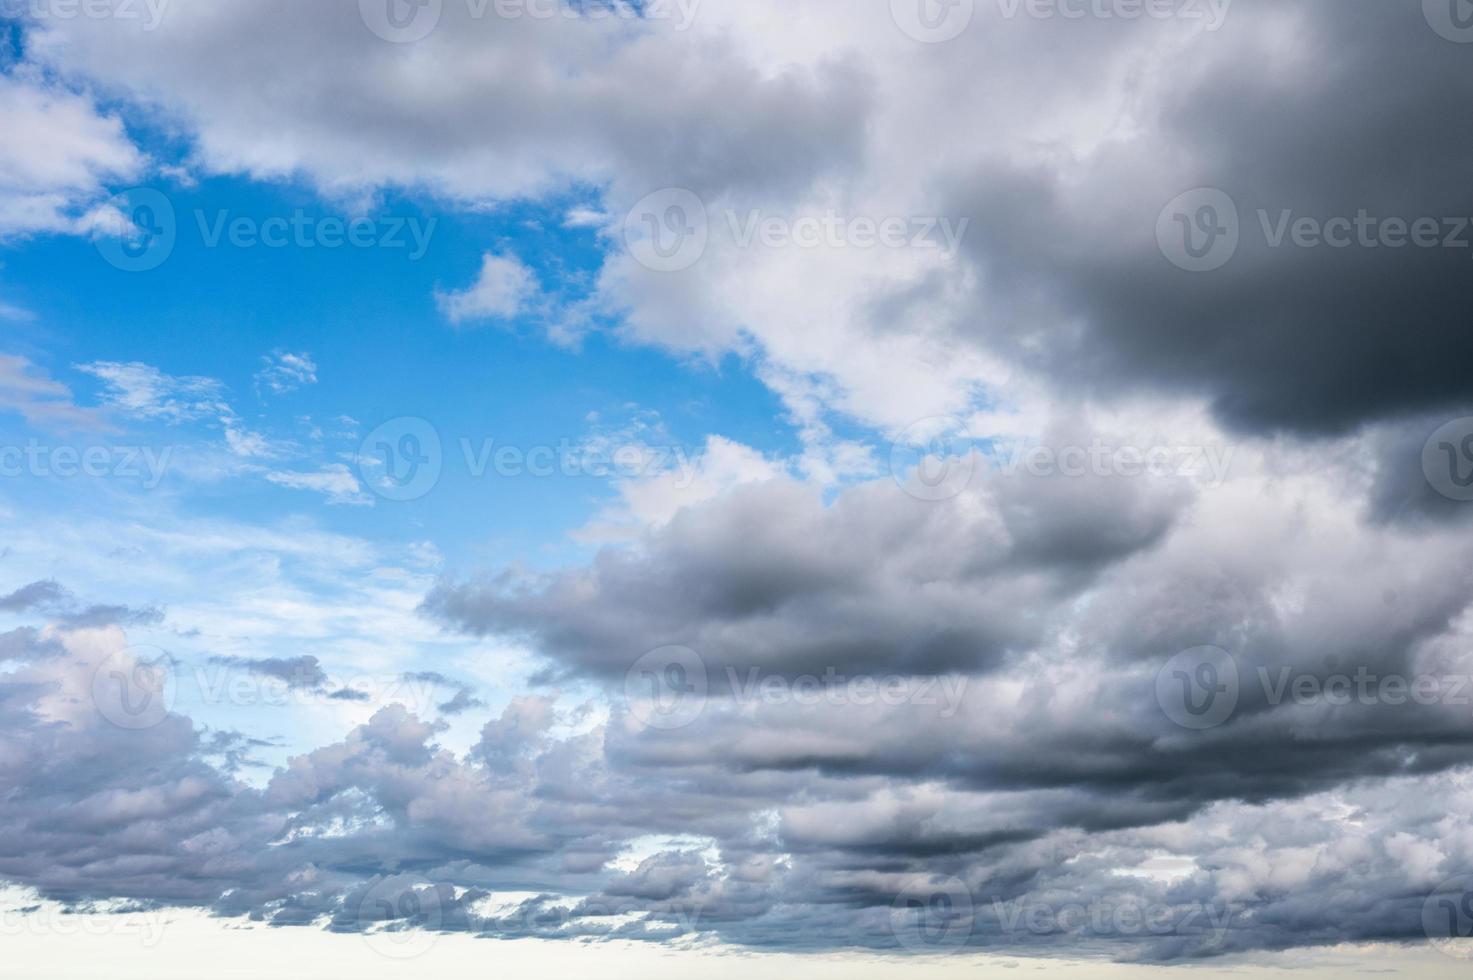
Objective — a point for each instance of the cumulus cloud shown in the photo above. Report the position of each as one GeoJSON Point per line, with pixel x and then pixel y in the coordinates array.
{"type": "Point", "coordinates": [60, 156]}
{"type": "Point", "coordinates": [504, 288]}
{"type": "Point", "coordinates": [887, 696]}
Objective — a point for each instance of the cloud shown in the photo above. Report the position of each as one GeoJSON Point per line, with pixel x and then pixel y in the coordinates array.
{"type": "Point", "coordinates": [504, 289]}
{"type": "Point", "coordinates": [42, 401]}
{"type": "Point", "coordinates": [59, 156]}
{"type": "Point", "coordinates": [334, 481]}
{"type": "Point", "coordinates": [143, 391]}
{"type": "Point", "coordinates": [43, 593]}
{"type": "Point", "coordinates": [283, 372]}
{"type": "Point", "coordinates": [303, 672]}
{"type": "Point", "coordinates": [767, 575]}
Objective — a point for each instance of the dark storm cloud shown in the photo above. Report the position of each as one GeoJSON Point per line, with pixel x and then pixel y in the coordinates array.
{"type": "Point", "coordinates": [1363, 113]}
{"type": "Point", "coordinates": [772, 577]}
{"type": "Point", "coordinates": [992, 799]}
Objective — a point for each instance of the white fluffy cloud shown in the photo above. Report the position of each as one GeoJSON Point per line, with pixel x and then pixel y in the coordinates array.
{"type": "Point", "coordinates": [59, 157]}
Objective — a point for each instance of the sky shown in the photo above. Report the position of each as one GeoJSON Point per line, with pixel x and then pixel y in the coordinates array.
{"type": "Point", "coordinates": [860, 487]}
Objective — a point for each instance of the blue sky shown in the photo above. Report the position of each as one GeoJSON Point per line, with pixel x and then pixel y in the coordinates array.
{"type": "Point", "coordinates": [844, 487]}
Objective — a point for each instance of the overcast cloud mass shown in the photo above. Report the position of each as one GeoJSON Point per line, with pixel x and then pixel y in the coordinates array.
{"type": "Point", "coordinates": [955, 480]}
